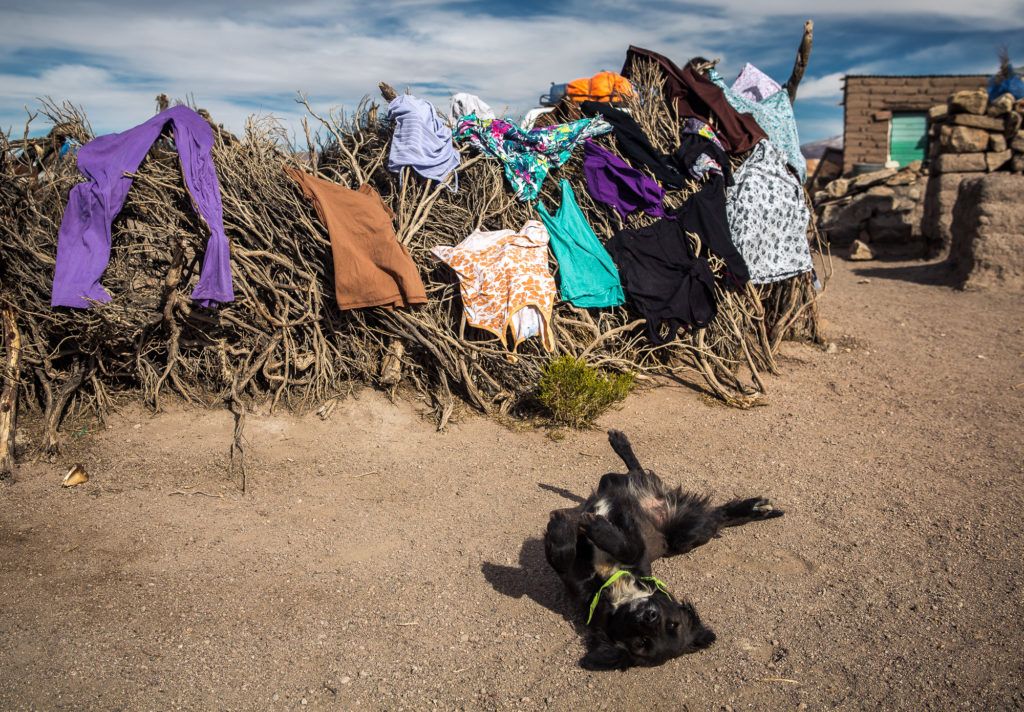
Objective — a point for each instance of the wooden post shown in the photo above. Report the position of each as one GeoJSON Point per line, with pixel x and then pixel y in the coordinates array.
{"type": "Point", "coordinates": [803, 56]}
{"type": "Point", "coordinates": [9, 395]}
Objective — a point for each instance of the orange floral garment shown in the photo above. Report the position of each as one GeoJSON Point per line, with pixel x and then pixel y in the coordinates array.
{"type": "Point", "coordinates": [505, 282]}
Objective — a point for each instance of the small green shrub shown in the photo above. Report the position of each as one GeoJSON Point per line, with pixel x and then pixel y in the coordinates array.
{"type": "Point", "coordinates": [574, 393]}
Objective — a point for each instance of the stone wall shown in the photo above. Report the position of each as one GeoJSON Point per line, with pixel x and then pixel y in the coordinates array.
{"type": "Point", "coordinates": [988, 232]}
{"type": "Point", "coordinates": [870, 101]}
{"type": "Point", "coordinates": [970, 136]}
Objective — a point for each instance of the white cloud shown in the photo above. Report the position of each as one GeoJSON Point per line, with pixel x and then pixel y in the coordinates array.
{"type": "Point", "coordinates": [829, 86]}
{"type": "Point", "coordinates": [238, 58]}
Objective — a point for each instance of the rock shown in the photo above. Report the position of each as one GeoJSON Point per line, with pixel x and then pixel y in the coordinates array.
{"type": "Point", "coordinates": [832, 348]}
{"type": "Point", "coordinates": [910, 173]}
{"type": "Point", "coordinates": [997, 159]}
{"type": "Point", "coordinates": [963, 139]}
{"type": "Point", "coordinates": [859, 252]}
{"type": "Point", "coordinates": [988, 243]}
{"type": "Point", "coordinates": [960, 163]}
{"type": "Point", "coordinates": [1011, 124]}
{"type": "Point", "coordinates": [968, 102]}
{"type": "Point", "coordinates": [1017, 164]}
{"type": "Point", "coordinates": [1017, 144]}
{"type": "Point", "coordinates": [904, 205]}
{"type": "Point", "coordinates": [881, 191]}
{"type": "Point", "coordinates": [866, 180]}
{"type": "Point", "coordinates": [997, 142]}
{"type": "Point", "coordinates": [979, 122]}
{"type": "Point", "coordinates": [837, 188]}
{"type": "Point", "coordinates": [938, 113]}
{"type": "Point", "coordinates": [939, 199]}
{"type": "Point", "coordinates": [1001, 105]}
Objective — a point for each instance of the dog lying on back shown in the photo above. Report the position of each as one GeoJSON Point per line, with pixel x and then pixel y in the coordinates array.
{"type": "Point", "coordinates": [603, 551]}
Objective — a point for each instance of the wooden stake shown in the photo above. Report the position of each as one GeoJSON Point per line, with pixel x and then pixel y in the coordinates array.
{"type": "Point", "coordinates": [9, 395]}
{"type": "Point", "coordinates": [803, 56]}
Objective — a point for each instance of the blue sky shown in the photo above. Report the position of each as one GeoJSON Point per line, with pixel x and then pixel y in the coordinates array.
{"type": "Point", "coordinates": [236, 59]}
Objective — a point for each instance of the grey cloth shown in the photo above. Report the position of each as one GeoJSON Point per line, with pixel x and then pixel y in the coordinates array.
{"type": "Point", "coordinates": [768, 216]}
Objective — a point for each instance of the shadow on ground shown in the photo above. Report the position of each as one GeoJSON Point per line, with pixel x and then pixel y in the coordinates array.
{"type": "Point", "coordinates": [532, 578]}
{"type": "Point", "coordinates": [936, 273]}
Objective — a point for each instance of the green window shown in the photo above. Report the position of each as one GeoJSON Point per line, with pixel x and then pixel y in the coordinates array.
{"type": "Point", "coordinates": [908, 137]}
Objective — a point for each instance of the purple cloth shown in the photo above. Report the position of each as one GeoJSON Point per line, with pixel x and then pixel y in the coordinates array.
{"type": "Point", "coordinates": [83, 243]}
{"type": "Point", "coordinates": [612, 181]}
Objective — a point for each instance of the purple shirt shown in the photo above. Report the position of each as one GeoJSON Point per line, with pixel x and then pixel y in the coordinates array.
{"type": "Point", "coordinates": [83, 243]}
{"type": "Point", "coordinates": [612, 181]}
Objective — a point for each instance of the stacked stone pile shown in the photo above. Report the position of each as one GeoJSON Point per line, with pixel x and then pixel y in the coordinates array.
{"type": "Point", "coordinates": [878, 212]}
{"type": "Point", "coordinates": [969, 136]}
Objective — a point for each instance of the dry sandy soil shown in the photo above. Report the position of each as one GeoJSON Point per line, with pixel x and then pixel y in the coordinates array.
{"type": "Point", "coordinates": [376, 564]}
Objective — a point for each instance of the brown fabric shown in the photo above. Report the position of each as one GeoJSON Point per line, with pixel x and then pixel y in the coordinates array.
{"type": "Point", "coordinates": [371, 268]}
{"type": "Point", "coordinates": [695, 95]}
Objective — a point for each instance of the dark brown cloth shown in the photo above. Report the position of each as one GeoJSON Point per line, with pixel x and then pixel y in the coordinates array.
{"type": "Point", "coordinates": [695, 95]}
{"type": "Point", "coordinates": [371, 268]}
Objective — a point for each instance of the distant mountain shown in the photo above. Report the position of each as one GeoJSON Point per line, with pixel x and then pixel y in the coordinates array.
{"type": "Point", "coordinates": [815, 149]}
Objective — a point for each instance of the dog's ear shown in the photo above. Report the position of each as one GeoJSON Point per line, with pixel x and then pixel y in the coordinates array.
{"type": "Point", "coordinates": [704, 638]}
{"type": "Point", "coordinates": [605, 656]}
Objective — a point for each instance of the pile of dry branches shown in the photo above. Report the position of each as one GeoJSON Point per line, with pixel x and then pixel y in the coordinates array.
{"type": "Point", "coordinates": [284, 339]}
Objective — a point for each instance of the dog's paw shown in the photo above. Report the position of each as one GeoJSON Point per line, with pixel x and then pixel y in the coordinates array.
{"type": "Point", "coordinates": [764, 509]}
{"type": "Point", "coordinates": [588, 519]}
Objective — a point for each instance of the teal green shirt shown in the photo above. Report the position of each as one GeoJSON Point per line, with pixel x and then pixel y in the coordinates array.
{"type": "Point", "coordinates": [587, 275]}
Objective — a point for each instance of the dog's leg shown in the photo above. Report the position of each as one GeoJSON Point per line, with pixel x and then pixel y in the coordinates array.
{"type": "Point", "coordinates": [624, 544]}
{"type": "Point", "coordinates": [560, 541]}
{"type": "Point", "coordinates": [690, 529]}
{"type": "Point", "coordinates": [622, 447]}
{"type": "Point", "coordinates": [743, 511]}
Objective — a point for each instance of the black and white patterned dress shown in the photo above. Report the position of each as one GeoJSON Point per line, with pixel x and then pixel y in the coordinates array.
{"type": "Point", "coordinates": [768, 216]}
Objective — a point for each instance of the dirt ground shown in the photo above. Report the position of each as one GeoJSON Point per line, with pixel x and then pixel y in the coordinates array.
{"type": "Point", "coordinates": [377, 564]}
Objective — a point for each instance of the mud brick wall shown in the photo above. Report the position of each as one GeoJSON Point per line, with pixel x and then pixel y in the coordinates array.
{"type": "Point", "coordinates": [870, 101]}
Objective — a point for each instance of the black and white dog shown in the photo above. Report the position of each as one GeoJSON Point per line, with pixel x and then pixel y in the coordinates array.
{"type": "Point", "coordinates": [603, 551]}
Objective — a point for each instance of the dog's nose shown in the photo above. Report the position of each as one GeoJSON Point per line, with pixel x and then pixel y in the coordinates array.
{"type": "Point", "coordinates": [649, 615]}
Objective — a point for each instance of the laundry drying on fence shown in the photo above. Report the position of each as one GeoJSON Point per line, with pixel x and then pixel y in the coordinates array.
{"type": "Point", "coordinates": [753, 84]}
{"type": "Point", "coordinates": [693, 94]}
{"type": "Point", "coordinates": [505, 282]}
{"type": "Point", "coordinates": [421, 140]}
{"type": "Point", "coordinates": [612, 181]}
{"type": "Point", "coordinates": [586, 274]}
{"type": "Point", "coordinates": [773, 113]}
{"type": "Point", "coordinates": [571, 273]}
{"type": "Point", "coordinates": [634, 144]}
{"type": "Point", "coordinates": [463, 104]}
{"type": "Point", "coordinates": [371, 268]}
{"type": "Point", "coordinates": [107, 162]}
{"type": "Point", "coordinates": [527, 156]}
{"type": "Point", "coordinates": [669, 285]}
{"type": "Point", "coordinates": [768, 217]}
{"type": "Point", "coordinates": [703, 213]}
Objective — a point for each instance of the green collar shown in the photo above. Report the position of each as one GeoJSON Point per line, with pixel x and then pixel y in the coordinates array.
{"type": "Point", "coordinates": [615, 577]}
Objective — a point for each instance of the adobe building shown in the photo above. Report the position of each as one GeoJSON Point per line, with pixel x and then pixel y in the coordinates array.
{"type": "Point", "coordinates": [886, 117]}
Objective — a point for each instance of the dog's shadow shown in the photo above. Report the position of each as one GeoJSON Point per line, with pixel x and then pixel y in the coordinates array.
{"type": "Point", "coordinates": [533, 577]}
